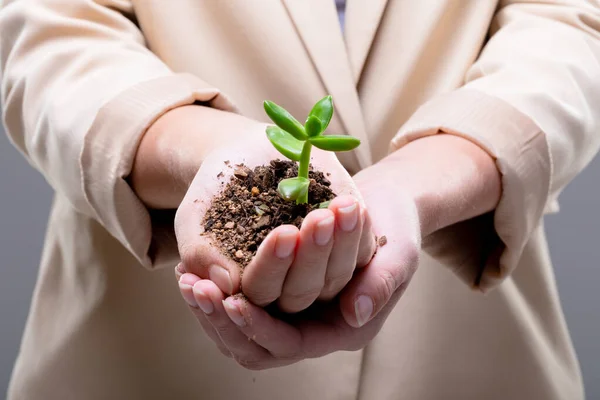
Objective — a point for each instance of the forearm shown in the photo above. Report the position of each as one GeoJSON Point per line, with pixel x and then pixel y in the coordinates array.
{"type": "Point", "coordinates": [449, 178]}
{"type": "Point", "coordinates": [174, 147]}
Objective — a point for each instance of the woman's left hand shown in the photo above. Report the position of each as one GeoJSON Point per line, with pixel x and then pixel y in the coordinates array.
{"type": "Point", "coordinates": [347, 324]}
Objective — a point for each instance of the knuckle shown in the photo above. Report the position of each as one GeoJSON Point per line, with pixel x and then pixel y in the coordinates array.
{"type": "Point", "coordinates": [299, 300]}
{"type": "Point", "coordinates": [333, 284]}
{"type": "Point", "coordinates": [394, 277]}
{"type": "Point", "coordinates": [303, 296]}
{"type": "Point", "coordinates": [337, 281]}
{"type": "Point", "coordinates": [260, 297]}
{"type": "Point", "coordinates": [390, 281]}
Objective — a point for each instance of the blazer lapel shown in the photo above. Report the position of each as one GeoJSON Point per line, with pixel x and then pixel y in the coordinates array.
{"type": "Point", "coordinates": [317, 25]}
{"type": "Point", "coordinates": [362, 20]}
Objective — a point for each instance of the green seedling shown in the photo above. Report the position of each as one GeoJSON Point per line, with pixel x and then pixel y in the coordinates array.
{"type": "Point", "coordinates": [295, 141]}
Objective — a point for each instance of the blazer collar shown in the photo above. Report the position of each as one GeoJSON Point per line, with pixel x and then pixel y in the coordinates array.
{"type": "Point", "coordinates": [317, 25]}
{"type": "Point", "coordinates": [362, 20]}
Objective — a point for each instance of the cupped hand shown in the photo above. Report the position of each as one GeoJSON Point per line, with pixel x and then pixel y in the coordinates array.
{"type": "Point", "coordinates": [257, 339]}
{"type": "Point", "coordinates": [292, 266]}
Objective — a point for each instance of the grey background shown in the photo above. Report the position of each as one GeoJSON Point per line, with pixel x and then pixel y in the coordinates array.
{"type": "Point", "coordinates": [573, 235]}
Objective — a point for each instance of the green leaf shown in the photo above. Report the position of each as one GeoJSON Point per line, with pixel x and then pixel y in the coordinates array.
{"type": "Point", "coordinates": [325, 204]}
{"type": "Point", "coordinates": [285, 143]}
{"type": "Point", "coordinates": [313, 126]}
{"type": "Point", "coordinates": [285, 120]}
{"type": "Point", "coordinates": [323, 110]}
{"type": "Point", "coordinates": [335, 142]}
{"type": "Point", "coordinates": [293, 188]}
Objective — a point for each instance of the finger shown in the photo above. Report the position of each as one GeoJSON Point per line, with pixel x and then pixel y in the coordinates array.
{"type": "Point", "coordinates": [367, 245]}
{"type": "Point", "coordinates": [196, 249]}
{"type": "Point", "coordinates": [186, 282]}
{"type": "Point", "coordinates": [263, 278]}
{"type": "Point", "coordinates": [179, 270]}
{"type": "Point", "coordinates": [305, 338]}
{"type": "Point", "coordinates": [390, 269]}
{"type": "Point", "coordinates": [245, 352]}
{"type": "Point", "coordinates": [306, 276]}
{"type": "Point", "coordinates": [342, 260]}
{"type": "Point", "coordinates": [281, 339]}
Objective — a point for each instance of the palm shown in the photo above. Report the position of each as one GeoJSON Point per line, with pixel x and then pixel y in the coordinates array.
{"type": "Point", "coordinates": [199, 254]}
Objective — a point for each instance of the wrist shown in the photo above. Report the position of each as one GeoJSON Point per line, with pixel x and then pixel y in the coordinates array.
{"type": "Point", "coordinates": [174, 147]}
{"type": "Point", "coordinates": [449, 179]}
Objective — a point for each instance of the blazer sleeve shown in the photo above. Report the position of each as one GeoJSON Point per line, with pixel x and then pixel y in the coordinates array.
{"type": "Point", "coordinates": [79, 89]}
{"type": "Point", "coordinates": [532, 101]}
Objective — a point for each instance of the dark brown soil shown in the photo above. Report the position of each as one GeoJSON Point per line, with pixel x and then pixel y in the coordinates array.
{"type": "Point", "coordinates": [249, 207]}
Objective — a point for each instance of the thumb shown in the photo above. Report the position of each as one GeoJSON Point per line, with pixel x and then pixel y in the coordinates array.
{"type": "Point", "coordinates": [390, 270]}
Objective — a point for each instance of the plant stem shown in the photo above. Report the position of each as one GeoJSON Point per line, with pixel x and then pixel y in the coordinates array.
{"type": "Point", "coordinates": [303, 168]}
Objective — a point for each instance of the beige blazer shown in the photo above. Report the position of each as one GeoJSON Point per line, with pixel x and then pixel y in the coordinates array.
{"type": "Point", "coordinates": [83, 79]}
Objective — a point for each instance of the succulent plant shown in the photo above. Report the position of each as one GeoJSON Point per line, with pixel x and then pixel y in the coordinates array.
{"type": "Point", "coordinates": [295, 141]}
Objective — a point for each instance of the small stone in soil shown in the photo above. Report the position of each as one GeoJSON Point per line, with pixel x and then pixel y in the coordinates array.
{"type": "Point", "coordinates": [382, 241]}
{"type": "Point", "coordinates": [239, 254]}
{"type": "Point", "coordinates": [264, 220]}
{"type": "Point", "coordinates": [230, 225]}
{"type": "Point", "coordinates": [241, 172]}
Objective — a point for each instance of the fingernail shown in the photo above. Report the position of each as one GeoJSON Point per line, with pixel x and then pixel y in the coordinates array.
{"type": "Point", "coordinates": [234, 313]}
{"type": "Point", "coordinates": [324, 231]}
{"type": "Point", "coordinates": [348, 217]}
{"type": "Point", "coordinates": [220, 276]}
{"type": "Point", "coordinates": [285, 244]}
{"type": "Point", "coordinates": [203, 300]}
{"type": "Point", "coordinates": [187, 294]}
{"type": "Point", "coordinates": [363, 308]}
{"type": "Point", "coordinates": [179, 269]}
{"type": "Point", "coordinates": [188, 279]}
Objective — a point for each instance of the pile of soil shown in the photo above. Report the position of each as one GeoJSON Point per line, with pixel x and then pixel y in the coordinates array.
{"type": "Point", "coordinates": [249, 207]}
